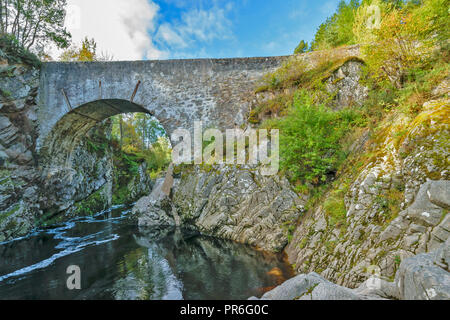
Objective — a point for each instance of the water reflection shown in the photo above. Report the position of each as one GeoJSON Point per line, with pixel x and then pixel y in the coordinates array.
{"type": "Point", "coordinates": [119, 261]}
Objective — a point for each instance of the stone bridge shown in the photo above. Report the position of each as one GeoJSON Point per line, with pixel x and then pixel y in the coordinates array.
{"type": "Point", "coordinates": [74, 97]}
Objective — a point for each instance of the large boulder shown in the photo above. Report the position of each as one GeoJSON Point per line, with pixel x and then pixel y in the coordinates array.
{"type": "Point", "coordinates": [314, 287]}
{"type": "Point", "coordinates": [155, 209]}
{"type": "Point", "coordinates": [425, 276]}
{"type": "Point", "coordinates": [295, 288]}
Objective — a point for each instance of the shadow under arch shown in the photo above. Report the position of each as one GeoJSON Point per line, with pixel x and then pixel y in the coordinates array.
{"type": "Point", "coordinates": [68, 132]}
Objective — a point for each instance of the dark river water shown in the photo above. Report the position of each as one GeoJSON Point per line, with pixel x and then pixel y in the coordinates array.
{"type": "Point", "coordinates": [119, 261]}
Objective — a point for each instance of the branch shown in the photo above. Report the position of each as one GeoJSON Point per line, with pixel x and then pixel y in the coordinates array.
{"type": "Point", "coordinates": [36, 28]}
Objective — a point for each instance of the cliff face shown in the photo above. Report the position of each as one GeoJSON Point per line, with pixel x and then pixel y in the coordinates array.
{"type": "Point", "coordinates": [422, 277]}
{"type": "Point", "coordinates": [18, 108]}
{"type": "Point", "coordinates": [395, 206]}
{"type": "Point", "coordinates": [239, 204]}
{"type": "Point", "coordinates": [32, 194]}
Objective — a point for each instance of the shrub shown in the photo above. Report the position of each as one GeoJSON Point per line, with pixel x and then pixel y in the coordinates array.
{"type": "Point", "coordinates": [14, 53]}
{"type": "Point", "coordinates": [310, 138]}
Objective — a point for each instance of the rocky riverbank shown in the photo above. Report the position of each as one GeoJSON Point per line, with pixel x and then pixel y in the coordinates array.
{"type": "Point", "coordinates": [421, 277]}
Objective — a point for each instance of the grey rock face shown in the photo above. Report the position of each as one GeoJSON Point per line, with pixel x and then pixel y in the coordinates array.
{"type": "Point", "coordinates": [345, 83]}
{"type": "Point", "coordinates": [140, 184]}
{"type": "Point", "coordinates": [422, 277]}
{"type": "Point", "coordinates": [18, 90]}
{"type": "Point", "coordinates": [62, 187]}
{"type": "Point", "coordinates": [427, 207]}
{"type": "Point", "coordinates": [238, 204]}
{"type": "Point", "coordinates": [442, 256]}
{"type": "Point", "coordinates": [329, 291]}
{"type": "Point", "coordinates": [295, 288]}
{"type": "Point", "coordinates": [376, 288]}
{"type": "Point", "coordinates": [439, 193]}
{"type": "Point", "coordinates": [232, 203]}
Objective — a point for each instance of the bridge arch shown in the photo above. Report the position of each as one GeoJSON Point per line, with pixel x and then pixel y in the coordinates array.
{"type": "Point", "coordinates": [67, 133]}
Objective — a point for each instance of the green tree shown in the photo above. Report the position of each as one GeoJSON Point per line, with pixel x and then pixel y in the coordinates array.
{"type": "Point", "coordinates": [138, 130]}
{"type": "Point", "coordinates": [35, 23]}
{"type": "Point", "coordinates": [406, 40]}
{"type": "Point", "coordinates": [301, 48]}
{"type": "Point", "coordinates": [337, 30]}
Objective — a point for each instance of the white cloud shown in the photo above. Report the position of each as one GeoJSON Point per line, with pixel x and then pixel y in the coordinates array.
{"type": "Point", "coordinates": [121, 28]}
{"type": "Point", "coordinates": [170, 37]}
{"type": "Point", "coordinates": [196, 25]}
{"type": "Point", "coordinates": [129, 29]}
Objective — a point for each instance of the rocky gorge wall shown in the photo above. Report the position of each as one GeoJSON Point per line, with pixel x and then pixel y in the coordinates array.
{"type": "Point", "coordinates": [395, 198]}
{"type": "Point", "coordinates": [383, 215]}
{"type": "Point", "coordinates": [395, 206]}
{"type": "Point", "coordinates": [421, 277]}
{"type": "Point", "coordinates": [18, 116]}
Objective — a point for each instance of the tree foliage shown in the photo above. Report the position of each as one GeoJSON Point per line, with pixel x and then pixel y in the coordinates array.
{"type": "Point", "coordinates": [15, 53]}
{"type": "Point", "coordinates": [35, 23]}
{"type": "Point", "coordinates": [87, 52]}
{"type": "Point", "coordinates": [406, 39]}
{"type": "Point", "coordinates": [301, 48]}
{"type": "Point", "coordinates": [337, 29]}
{"type": "Point", "coordinates": [142, 135]}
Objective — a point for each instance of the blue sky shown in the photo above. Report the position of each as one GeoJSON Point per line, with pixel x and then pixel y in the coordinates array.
{"type": "Point", "coordinates": [244, 28]}
{"type": "Point", "coordinates": [168, 29]}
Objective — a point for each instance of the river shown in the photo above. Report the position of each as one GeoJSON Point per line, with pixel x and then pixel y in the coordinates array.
{"type": "Point", "coordinates": [119, 261]}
